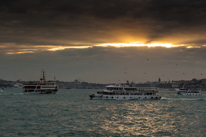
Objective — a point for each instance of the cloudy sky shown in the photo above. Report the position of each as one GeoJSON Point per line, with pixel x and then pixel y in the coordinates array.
{"type": "Point", "coordinates": [103, 41]}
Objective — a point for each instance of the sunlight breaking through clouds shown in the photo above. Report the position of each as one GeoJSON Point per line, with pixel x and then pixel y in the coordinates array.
{"type": "Point", "coordinates": [11, 48]}
{"type": "Point", "coordinates": [139, 44]}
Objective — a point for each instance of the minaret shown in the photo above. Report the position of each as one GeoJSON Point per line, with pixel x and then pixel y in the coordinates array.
{"type": "Point", "coordinates": [159, 80]}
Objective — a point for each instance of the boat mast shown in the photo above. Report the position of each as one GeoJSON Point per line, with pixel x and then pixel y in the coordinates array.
{"type": "Point", "coordinates": [43, 79]}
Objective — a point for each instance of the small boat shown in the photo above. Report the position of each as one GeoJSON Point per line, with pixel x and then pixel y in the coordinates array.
{"type": "Point", "coordinates": [183, 89]}
{"type": "Point", "coordinates": [2, 89]}
{"type": "Point", "coordinates": [41, 87]}
{"type": "Point", "coordinates": [18, 85]}
{"type": "Point", "coordinates": [125, 92]}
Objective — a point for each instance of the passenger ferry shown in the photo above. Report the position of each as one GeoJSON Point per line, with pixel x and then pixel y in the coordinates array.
{"type": "Point", "coordinates": [190, 92]}
{"type": "Point", "coordinates": [125, 92]}
{"type": "Point", "coordinates": [41, 87]}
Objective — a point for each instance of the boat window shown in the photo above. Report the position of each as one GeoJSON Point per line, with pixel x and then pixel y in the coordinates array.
{"type": "Point", "coordinates": [107, 88]}
{"type": "Point", "coordinates": [127, 93]}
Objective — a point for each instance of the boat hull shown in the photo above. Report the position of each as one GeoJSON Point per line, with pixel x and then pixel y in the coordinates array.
{"type": "Point", "coordinates": [48, 91]}
{"type": "Point", "coordinates": [40, 89]}
{"type": "Point", "coordinates": [189, 94]}
{"type": "Point", "coordinates": [125, 97]}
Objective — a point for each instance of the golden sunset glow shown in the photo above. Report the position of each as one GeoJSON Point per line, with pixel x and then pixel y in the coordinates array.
{"type": "Point", "coordinates": [20, 52]}
{"type": "Point", "coordinates": [32, 49]}
{"type": "Point", "coordinates": [35, 48]}
{"type": "Point", "coordinates": [139, 44]}
{"type": "Point", "coordinates": [68, 47]}
{"type": "Point", "coordinates": [189, 47]}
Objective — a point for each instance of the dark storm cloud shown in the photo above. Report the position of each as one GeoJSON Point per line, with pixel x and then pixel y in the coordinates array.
{"type": "Point", "coordinates": [180, 11]}
{"type": "Point", "coordinates": [66, 22]}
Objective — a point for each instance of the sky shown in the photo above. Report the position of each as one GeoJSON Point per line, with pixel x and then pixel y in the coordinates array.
{"type": "Point", "coordinates": [108, 41]}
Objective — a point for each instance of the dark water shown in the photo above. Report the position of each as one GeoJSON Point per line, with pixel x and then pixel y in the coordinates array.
{"type": "Point", "coordinates": [72, 113]}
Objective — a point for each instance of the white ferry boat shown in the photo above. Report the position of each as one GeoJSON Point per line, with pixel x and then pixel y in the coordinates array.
{"type": "Point", "coordinates": [124, 92]}
{"type": "Point", "coordinates": [190, 92]}
{"type": "Point", "coordinates": [42, 87]}
{"type": "Point", "coordinates": [187, 91]}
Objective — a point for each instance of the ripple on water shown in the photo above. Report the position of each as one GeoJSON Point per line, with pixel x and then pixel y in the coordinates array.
{"type": "Point", "coordinates": [72, 113]}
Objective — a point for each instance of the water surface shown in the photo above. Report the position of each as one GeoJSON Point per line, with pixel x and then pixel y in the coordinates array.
{"type": "Point", "coordinates": [70, 112]}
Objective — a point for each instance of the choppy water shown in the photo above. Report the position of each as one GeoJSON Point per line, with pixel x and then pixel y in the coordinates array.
{"type": "Point", "coordinates": [72, 113]}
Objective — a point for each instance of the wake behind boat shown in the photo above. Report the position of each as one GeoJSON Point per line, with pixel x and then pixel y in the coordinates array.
{"type": "Point", "coordinates": [42, 87]}
{"type": "Point", "coordinates": [124, 92]}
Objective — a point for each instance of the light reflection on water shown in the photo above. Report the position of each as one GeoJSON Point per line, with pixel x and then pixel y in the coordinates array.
{"type": "Point", "coordinates": [140, 118]}
{"type": "Point", "coordinates": [157, 118]}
